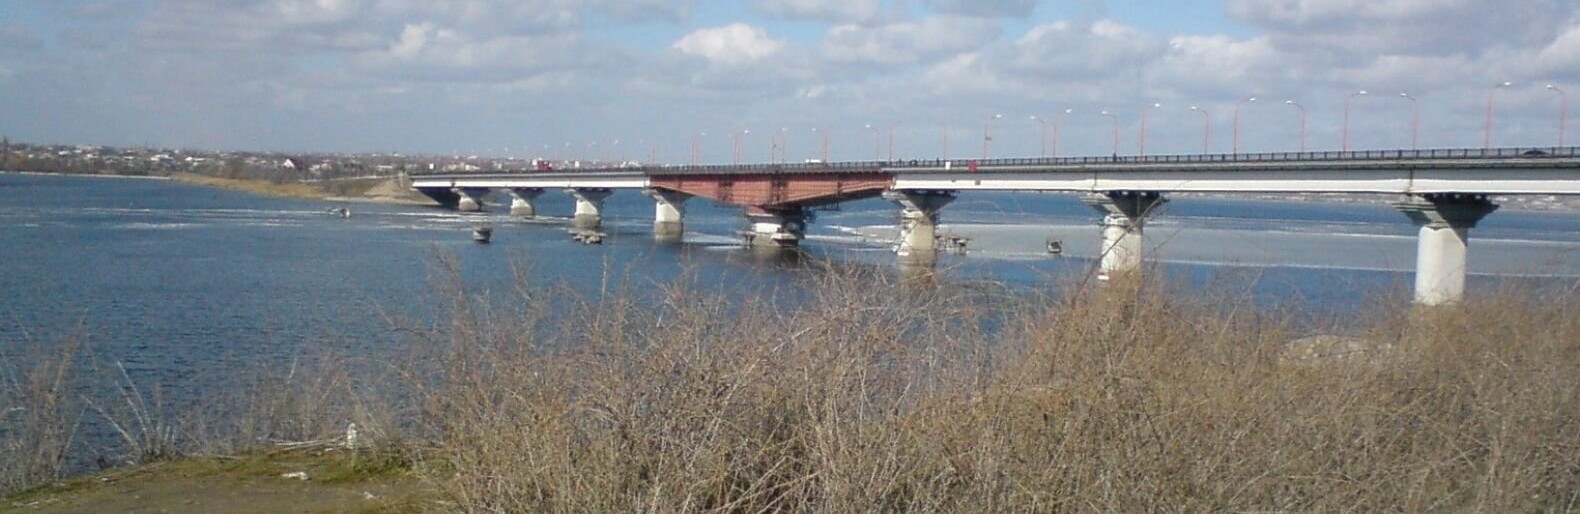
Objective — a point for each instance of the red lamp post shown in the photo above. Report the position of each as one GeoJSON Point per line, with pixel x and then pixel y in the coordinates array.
{"type": "Point", "coordinates": [1236, 146]}
{"type": "Point", "coordinates": [1143, 139]}
{"type": "Point", "coordinates": [1563, 111]}
{"type": "Point", "coordinates": [1058, 119]}
{"type": "Point", "coordinates": [987, 134]}
{"type": "Point", "coordinates": [1115, 121]}
{"type": "Point", "coordinates": [1206, 129]}
{"type": "Point", "coordinates": [1415, 121]}
{"type": "Point", "coordinates": [1302, 108]}
{"type": "Point", "coordinates": [1345, 144]}
{"type": "Point", "coordinates": [735, 141]}
{"type": "Point", "coordinates": [1486, 136]}
{"type": "Point", "coordinates": [1044, 135]}
{"type": "Point", "coordinates": [694, 140]}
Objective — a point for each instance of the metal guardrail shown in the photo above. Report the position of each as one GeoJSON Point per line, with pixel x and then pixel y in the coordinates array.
{"type": "Point", "coordinates": [1524, 153]}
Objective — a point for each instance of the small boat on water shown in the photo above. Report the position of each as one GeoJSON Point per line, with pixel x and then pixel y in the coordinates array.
{"type": "Point", "coordinates": [482, 234]}
{"type": "Point", "coordinates": [1055, 247]}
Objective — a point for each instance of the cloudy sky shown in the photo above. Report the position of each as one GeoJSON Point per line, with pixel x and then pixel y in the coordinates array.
{"type": "Point", "coordinates": [607, 78]}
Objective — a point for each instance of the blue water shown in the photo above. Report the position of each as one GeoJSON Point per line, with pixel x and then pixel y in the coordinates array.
{"type": "Point", "coordinates": [172, 278]}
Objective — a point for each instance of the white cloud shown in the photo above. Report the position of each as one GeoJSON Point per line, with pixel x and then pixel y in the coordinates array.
{"type": "Point", "coordinates": [1082, 52]}
{"type": "Point", "coordinates": [827, 10]}
{"type": "Point", "coordinates": [984, 8]}
{"type": "Point", "coordinates": [733, 45]}
{"type": "Point", "coordinates": [909, 42]}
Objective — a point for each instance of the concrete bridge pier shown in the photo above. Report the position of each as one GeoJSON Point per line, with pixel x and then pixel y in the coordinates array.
{"type": "Point", "coordinates": [919, 220]}
{"type": "Point", "coordinates": [669, 223]}
{"type": "Point", "coordinates": [775, 228]}
{"type": "Point", "coordinates": [523, 201]}
{"type": "Point", "coordinates": [470, 198]}
{"type": "Point", "coordinates": [1445, 221]}
{"type": "Point", "coordinates": [1124, 215]}
{"type": "Point", "coordinates": [589, 207]}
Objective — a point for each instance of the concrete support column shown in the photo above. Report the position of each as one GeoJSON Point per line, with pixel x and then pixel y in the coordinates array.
{"type": "Point", "coordinates": [1124, 215]}
{"type": "Point", "coordinates": [775, 228]}
{"type": "Point", "coordinates": [919, 220]}
{"type": "Point", "coordinates": [523, 201]}
{"type": "Point", "coordinates": [669, 214]}
{"type": "Point", "coordinates": [471, 198]}
{"type": "Point", "coordinates": [589, 207]}
{"type": "Point", "coordinates": [1445, 221]}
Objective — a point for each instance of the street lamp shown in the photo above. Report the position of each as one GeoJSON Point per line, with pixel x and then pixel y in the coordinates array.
{"type": "Point", "coordinates": [1115, 120]}
{"type": "Point", "coordinates": [1044, 131]}
{"type": "Point", "coordinates": [1486, 137]}
{"type": "Point", "coordinates": [945, 130]}
{"type": "Point", "coordinates": [823, 144]}
{"type": "Point", "coordinates": [1302, 122]}
{"type": "Point", "coordinates": [1415, 121]}
{"type": "Point", "coordinates": [987, 134]}
{"type": "Point", "coordinates": [1206, 129]}
{"type": "Point", "coordinates": [1345, 145]}
{"type": "Point", "coordinates": [776, 145]}
{"type": "Point", "coordinates": [1144, 111]}
{"type": "Point", "coordinates": [877, 142]}
{"type": "Point", "coordinates": [1058, 119]}
{"type": "Point", "coordinates": [735, 139]}
{"type": "Point", "coordinates": [694, 141]}
{"type": "Point", "coordinates": [1236, 146]}
{"type": "Point", "coordinates": [1563, 112]}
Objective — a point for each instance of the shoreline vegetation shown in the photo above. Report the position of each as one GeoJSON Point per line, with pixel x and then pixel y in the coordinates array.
{"type": "Point", "coordinates": [863, 392]}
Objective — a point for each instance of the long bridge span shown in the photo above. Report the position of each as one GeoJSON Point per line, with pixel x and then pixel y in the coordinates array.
{"type": "Point", "coordinates": [1444, 191]}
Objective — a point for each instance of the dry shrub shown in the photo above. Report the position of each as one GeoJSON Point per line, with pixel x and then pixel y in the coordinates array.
{"type": "Point", "coordinates": [866, 395]}
{"type": "Point", "coordinates": [39, 414]}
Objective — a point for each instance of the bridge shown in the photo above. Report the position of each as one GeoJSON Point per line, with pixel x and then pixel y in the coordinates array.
{"type": "Point", "coordinates": [1444, 191]}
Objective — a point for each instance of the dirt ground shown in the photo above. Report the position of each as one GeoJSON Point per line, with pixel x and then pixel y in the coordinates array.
{"type": "Point", "coordinates": [253, 484]}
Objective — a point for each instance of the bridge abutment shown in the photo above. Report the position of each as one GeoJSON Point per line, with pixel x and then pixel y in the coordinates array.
{"type": "Point", "coordinates": [919, 221]}
{"type": "Point", "coordinates": [523, 201]}
{"type": "Point", "coordinates": [470, 198]}
{"type": "Point", "coordinates": [1124, 215]}
{"type": "Point", "coordinates": [1443, 244]}
{"type": "Point", "coordinates": [669, 222]}
{"type": "Point", "coordinates": [589, 207]}
{"type": "Point", "coordinates": [777, 228]}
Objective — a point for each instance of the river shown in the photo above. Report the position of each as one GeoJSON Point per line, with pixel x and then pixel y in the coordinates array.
{"type": "Point", "coordinates": [175, 279]}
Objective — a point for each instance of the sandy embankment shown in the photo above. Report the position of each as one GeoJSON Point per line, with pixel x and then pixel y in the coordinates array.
{"type": "Point", "coordinates": [388, 190]}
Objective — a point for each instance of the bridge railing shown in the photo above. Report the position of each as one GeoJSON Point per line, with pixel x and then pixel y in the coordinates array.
{"type": "Point", "coordinates": [902, 165]}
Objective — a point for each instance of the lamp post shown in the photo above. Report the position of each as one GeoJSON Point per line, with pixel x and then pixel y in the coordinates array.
{"type": "Point", "coordinates": [1044, 138]}
{"type": "Point", "coordinates": [944, 129]}
{"type": "Point", "coordinates": [1345, 145]}
{"type": "Point", "coordinates": [1143, 139]}
{"type": "Point", "coordinates": [824, 144]}
{"type": "Point", "coordinates": [694, 140]}
{"type": "Point", "coordinates": [1236, 146]}
{"type": "Point", "coordinates": [1302, 108]}
{"type": "Point", "coordinates": [1206, 129]}
{"type": "Point", "coordinates": [777, 145]}
{"type": "Point", "coordinates": [1563, 112]}
{"type": "Point", "coordinates": [987, 134]}
{"type": "Point", "coordinates": [1486, 137]}
{"type": "Point", "coordinates": [735, 140]}
{"type": "Point", "coordinates": [1415, 121]}
{"type": "Point", "coordinates": [1058, 119]}
{"type": "Point", "coordinates": [1115, 120]}
{"type": "Point", "coordinates": [877, 142]}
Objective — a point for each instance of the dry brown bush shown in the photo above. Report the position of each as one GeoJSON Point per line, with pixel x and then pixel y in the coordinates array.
{"type": "Point", "coordinates": [874, 396]}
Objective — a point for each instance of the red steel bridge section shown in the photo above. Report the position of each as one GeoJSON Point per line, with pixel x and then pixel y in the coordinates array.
{"type": "Point", "coordinates": [778, 192]}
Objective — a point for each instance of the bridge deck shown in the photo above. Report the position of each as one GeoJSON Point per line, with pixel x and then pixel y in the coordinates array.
{"type": "Point", "coordinates": [1495, 171]}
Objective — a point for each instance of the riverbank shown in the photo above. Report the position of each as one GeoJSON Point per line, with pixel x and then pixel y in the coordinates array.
{"type": "Point", "coordinates": [263, 482]}
{"type": "Point", "coordinates": [377, 190]}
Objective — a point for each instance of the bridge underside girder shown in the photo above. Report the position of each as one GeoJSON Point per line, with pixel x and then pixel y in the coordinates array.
{"type": "Point", "coordinates": [778, 192]}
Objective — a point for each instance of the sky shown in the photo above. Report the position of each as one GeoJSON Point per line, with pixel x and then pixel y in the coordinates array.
{"type": "Point", "coordinates": [637, 78]}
